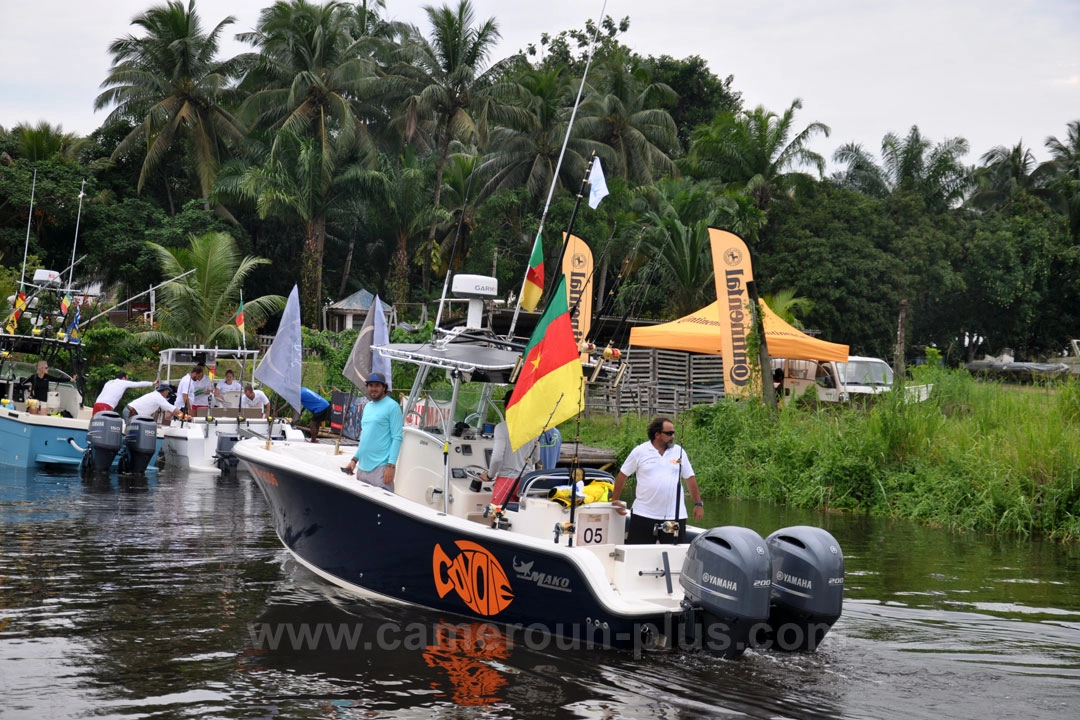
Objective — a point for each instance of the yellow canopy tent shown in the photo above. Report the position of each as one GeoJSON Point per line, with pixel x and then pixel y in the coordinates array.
{"type": "Point", "coordinates": [700, 332]}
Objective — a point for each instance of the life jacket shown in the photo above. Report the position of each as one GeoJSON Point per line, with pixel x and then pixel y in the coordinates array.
{"type": "Point", "coordinates": [596, 491]}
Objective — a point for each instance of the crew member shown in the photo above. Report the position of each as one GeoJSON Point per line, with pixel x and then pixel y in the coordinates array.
{"type": "Point", "coordinates": [660, 466]}
{"type": "Point", "coordinates": [114, 390]}
{"type": "Point", "coordinates": [375, 460]}
{"type": "Point", "coordinates": [154, 401]}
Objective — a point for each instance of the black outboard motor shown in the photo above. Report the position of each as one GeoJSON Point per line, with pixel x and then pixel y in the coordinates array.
{"type": "Point", "coordinates": [104, 438]}
{"type": "Point", "coordinates": [807, 587]}
{"type": "Point", "coordinates": [140, 445]}
{"type": "Point", "coordinates": [725, 577]}
{"type": "Point", "coordinates": [225, 458]}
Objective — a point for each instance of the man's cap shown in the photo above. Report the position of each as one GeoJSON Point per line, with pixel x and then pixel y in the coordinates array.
{"type": "Point", "coordinates": [376, 378]}
{"type": "Point", "coordinates": [163, 387]}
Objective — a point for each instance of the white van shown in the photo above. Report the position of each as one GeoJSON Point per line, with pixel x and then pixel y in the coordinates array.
{"type": "Point", "coordinates": [866, 375]}
{"type": "Point", "coordinates": [792, 378]}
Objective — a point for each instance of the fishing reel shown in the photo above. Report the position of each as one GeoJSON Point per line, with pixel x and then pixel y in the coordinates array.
{"type": "Point", "coordinates": [563, 528]}
{"type": "Point", "coordinates": [667, 527]}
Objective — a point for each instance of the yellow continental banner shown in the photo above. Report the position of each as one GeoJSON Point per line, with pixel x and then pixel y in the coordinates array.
{"type": "Point", "coordinates": [731, 266]}
{"type": "Point", "coordinates": [578, 268]}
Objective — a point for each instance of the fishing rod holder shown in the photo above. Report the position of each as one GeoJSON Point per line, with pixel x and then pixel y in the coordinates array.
{"type": "Point", "coordinates": [564, 528]}
{"type": "Point", "coordinates": [668, 527]}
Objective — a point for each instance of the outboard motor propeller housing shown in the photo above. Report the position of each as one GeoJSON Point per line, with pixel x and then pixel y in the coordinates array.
{"type": "Point", "coordinates": [225, 458]}
{"type": "Point", "coordinates": [140, 445]}
{"type": "Point", "coordinates": [725, 578]}
{"type": "Point", "coordinates": [104, 438]}
{"type": "Point", "coordinates": [807, 587]}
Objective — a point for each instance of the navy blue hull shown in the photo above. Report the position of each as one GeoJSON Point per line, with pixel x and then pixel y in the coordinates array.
{"type": "Point", "coordinates": [479, 573]}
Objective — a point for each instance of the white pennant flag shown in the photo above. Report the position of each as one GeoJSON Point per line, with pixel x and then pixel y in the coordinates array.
{"type": "Point", "coordinates": [282, 366]}
{"type": "Point", "coordinates": [597, 184]}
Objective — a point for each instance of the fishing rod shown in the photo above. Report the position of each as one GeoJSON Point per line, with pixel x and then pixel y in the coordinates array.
{"type": "Point", "coordinates": [558, 166]}
{"type": "Point", "coordinates": [573, 216]}
{"type": "Point", "coordinates": [453, 249]}
{"type": "Point", "coordinates": [29, 219]}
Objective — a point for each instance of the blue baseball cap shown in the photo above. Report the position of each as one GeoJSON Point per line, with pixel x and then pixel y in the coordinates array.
{"type": "Point", "coordinates": [163, 388]}
{"type": "Point", "coordinates": [376, 378]}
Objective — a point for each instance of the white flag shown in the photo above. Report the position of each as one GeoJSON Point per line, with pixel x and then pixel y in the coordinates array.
{"type": "Point", "coordinates": [379, 363]}
{"type": "Point", "coordinates": [363, 361]}
{"type": "Point", "coordinates": [281, 369]}
{"type": "Point", "coordinates": [597, 184]}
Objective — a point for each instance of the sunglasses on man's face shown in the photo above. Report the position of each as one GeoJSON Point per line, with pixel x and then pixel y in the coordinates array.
{"type": "Point", "coordinates": [669, 433]}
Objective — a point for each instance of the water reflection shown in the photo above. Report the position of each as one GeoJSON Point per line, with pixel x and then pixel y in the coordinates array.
{"type": "Point", "coordinates": [172, 598]}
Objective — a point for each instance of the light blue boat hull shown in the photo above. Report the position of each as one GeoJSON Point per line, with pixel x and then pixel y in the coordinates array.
{"type": "Point", "coordinates": [34, 441]}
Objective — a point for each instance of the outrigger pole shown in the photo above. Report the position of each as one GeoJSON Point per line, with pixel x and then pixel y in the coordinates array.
{"type": "Point", "coordinates": [29, 219]}
{"type": "Point", "coordinates": [558, 165]}
{"type": "Point", "coordinates": [75, 244]}
{"type": "Point", "coordinates": [134, 297]}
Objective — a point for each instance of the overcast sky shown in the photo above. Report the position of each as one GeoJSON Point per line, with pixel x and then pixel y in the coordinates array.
{"type": "Point", "coordinates": [992, 71]}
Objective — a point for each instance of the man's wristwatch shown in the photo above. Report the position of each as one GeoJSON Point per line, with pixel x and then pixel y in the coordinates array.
{"type": "Point", "coordinates": [699, 504]}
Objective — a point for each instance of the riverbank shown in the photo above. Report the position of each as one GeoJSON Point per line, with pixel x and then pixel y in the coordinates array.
{"type": "Point", "coordinates": [975, 456]}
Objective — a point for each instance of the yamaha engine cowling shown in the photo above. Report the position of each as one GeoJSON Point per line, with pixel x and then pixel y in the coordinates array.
{"type": "Point", "coordinates": [725, 578]}
{"type": "Point", "coordinates": [104, 438]}
{"type": "Point", "coordinates": [807, 587]}
{"type": "Point", "coordinates": [225, 458]}
{"type": "Point", "coordinates": [140, 445]}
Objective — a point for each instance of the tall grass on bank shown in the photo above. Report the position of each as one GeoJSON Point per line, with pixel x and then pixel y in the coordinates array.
{"type": "Point", "coordinates": [975, 455]}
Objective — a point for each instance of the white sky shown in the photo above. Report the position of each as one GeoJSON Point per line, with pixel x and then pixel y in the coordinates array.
{"type": "Point", "coordinates": [992, 71]}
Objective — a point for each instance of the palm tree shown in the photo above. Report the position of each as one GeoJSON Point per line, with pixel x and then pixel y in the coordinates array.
{"type": "Point", "coordinates": [1065, 169]}
{"type": "Point", "coordinates": [788, 306]}
{"type": "Point", "coordinates": [200, 308]}
{"type": "Point", "coordinates": [45, 142]}
{"type": "Point", "coordinates": [450, 92]}
{"type": "Point", "coordinates": [626, 111]}
{"type": "Point", "coordinates": [1006, 173]}
{"type": "Point", "coordinates": [170, 83]}
{"type": "Point", "coordinates": [525, 154]}
{"type": "Point", "coordinates": [299, 181]}
{"type": "Point", "coordinates": [757, 150]}
{"type": "Point", "coordinates": [913, 165]}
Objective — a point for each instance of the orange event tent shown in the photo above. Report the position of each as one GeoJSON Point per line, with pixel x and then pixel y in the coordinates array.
{"type": "Point", "coordinates": [700, 332]}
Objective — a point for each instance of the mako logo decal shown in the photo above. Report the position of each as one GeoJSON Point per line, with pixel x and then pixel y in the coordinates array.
{"type": "Point", "coordinates": [475, 575]}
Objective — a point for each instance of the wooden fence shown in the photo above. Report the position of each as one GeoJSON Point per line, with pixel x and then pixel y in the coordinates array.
{"type": "Point", "coordinates": [660, 382]}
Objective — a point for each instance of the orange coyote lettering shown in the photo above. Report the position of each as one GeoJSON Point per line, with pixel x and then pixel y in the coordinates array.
{"type": "Point", "coordinates": [475, 574]}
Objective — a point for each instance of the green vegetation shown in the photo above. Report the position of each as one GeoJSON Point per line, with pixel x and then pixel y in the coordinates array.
{"type": "Point", "coordinates": [975, 456]}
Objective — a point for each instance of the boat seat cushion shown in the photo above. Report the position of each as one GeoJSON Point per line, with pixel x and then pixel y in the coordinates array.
{"type": "Point", "coordinates": [542, 481]}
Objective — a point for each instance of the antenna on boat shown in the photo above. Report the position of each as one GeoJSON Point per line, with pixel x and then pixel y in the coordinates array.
{"type": "Point", "coordinates": [558, 165]}
{"type": "Point", "coordinates": [29, 219]}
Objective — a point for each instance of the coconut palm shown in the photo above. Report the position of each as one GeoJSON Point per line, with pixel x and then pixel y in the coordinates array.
{"type": "Point", "coordinates": [450, 91]}
{"type": "Point", "coordinates": [44, 142]}
{"type": "Point", "coordinates": [1006, 173]}
{"type": "Point", "coordinates": [200, 308]}
{"type": "Point", "coordinates": [788, 306]}
{"type": "Point", "coordinates": [912, 165]}
{"type": "Point", "coordinates": [758, 151]}
{"type": "Point", "coordinates": [299, 181]}
{"type": "Point", "coordinates": [171, 84]}
{"type": "Point", "coordinates": [1065, 170]}
{"type": "Point", "coordinates": [626, 111]}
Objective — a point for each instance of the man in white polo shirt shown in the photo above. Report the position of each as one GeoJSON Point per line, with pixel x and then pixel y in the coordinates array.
{"type": "Point", "coordinates": [151, 403]}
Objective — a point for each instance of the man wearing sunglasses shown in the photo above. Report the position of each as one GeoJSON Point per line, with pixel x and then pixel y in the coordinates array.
{"type": "Point", "coordinates": [660, 466]}
{"type": "Point", "coordinates": [375, 461]}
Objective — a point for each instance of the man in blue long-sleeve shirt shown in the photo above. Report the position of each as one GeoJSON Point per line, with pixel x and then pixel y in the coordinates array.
{"type": "Point", "coordinates": [375, 459]}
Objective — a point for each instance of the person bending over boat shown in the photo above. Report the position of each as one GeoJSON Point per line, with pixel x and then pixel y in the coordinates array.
{"type": "Point", "coordinates": [253, 398]}
{"type": "Point", "coordinates": [660, 466]}
{"type": "Point", "coordinates": [375, 460]}
{"type": "Point", "coordinates": [319, 408]}
{"type": "Point", "coordinates": [194, 390]}
{"type": "Point", "coordinates": [112, 391]}
{"type": "Point", "coordinates": [508, 465]}
{"type": "Point", "coordinates": [39, 387]}
{"type": "Point", "coordinates": [154, 401]}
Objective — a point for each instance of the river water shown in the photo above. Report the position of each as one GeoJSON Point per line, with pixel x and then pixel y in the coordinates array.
{"type": "Point", "coordinates": [173, 598]}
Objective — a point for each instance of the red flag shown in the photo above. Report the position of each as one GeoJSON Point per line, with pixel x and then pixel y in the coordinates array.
{"type": "Point", "coordinates": [240, 317]}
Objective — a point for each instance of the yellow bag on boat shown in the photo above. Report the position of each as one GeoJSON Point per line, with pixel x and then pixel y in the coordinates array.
{"type": "Point", "coordinates": [596, 491]}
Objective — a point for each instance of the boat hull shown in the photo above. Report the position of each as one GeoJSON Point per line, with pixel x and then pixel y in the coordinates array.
{"type": "Point", "coordinates": [33, 440]}
{"type": "Point", "coordinates": [193, 445]}
{"type": "Point", "coordinates": [366, 538]}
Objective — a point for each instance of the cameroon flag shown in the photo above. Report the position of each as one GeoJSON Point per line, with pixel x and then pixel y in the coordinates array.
{"type": "Point", "coordinates": [550, 387]}
{"type": "Point", "coordinates": [534, 277]}
{"type": "Point", "coordinates": [240, 317]}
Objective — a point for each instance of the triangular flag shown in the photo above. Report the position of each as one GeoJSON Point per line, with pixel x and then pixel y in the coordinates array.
{"type": "Point", "coordinates": [240, 317]}
{"type": "Point", "coordinates": [281, 368]}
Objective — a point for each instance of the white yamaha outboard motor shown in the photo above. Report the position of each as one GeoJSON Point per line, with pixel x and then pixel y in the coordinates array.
{"type": "Point", "coordinates": [140, 445]}
{"type": "Point", "coordinates": [104, 438]}
{"type": "Point", "coordinates": [224, 457]}
{"type": "Point", "coordinates": [725, 578]}
{"type": "Point", "coordinates": [807, 587]}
